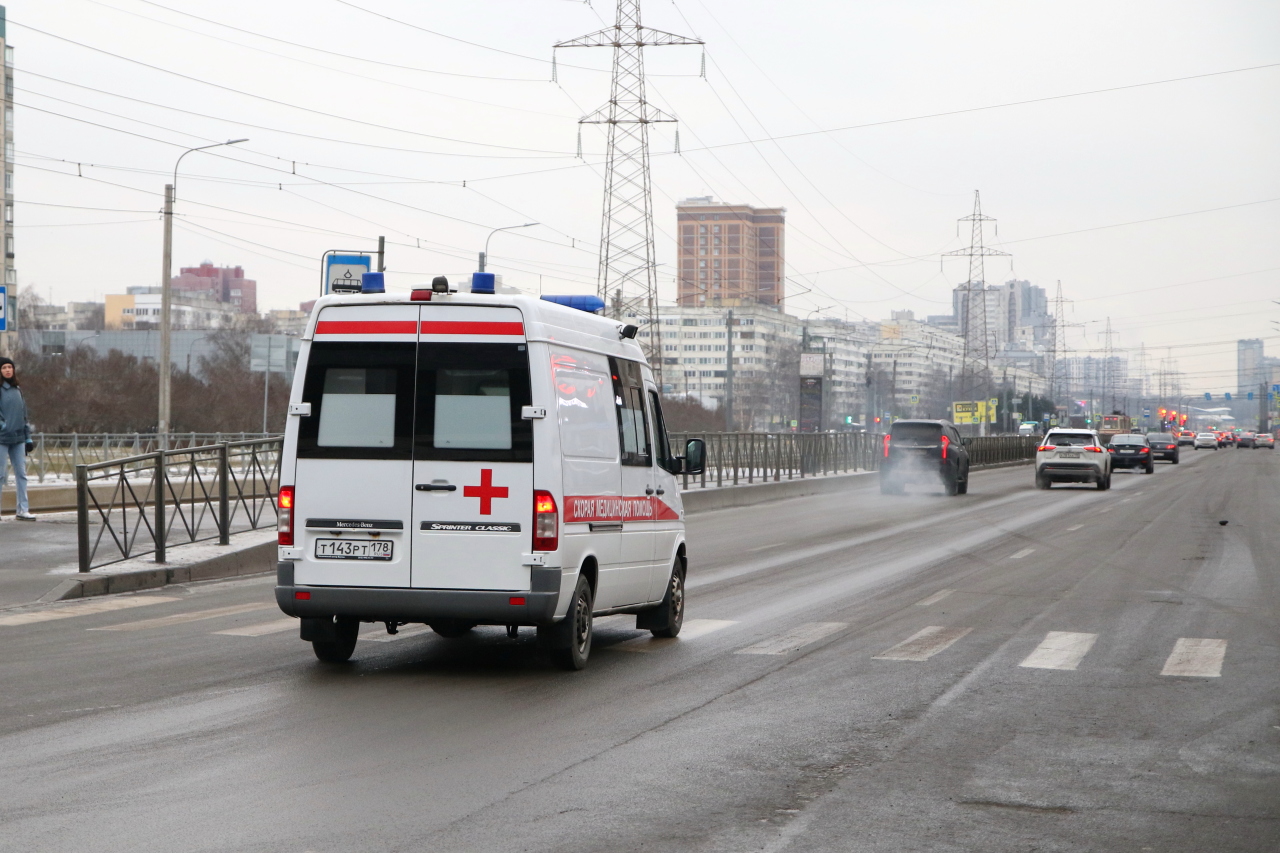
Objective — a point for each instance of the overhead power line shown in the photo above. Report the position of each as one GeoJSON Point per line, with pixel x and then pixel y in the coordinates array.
{"type": "Point", "coordinates": [328, 115]}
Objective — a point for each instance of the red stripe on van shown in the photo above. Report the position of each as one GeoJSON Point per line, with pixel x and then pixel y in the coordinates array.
{"type": "Point", "coordinates": [366, 327]}
{"type": "Point", "coordinates": [454, 327]}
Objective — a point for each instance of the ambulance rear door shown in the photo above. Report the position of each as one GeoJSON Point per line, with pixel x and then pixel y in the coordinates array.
{"type": "Point", "coordinates": [353, 484]}
{"type": "Point", "coordinates": [473, 451]}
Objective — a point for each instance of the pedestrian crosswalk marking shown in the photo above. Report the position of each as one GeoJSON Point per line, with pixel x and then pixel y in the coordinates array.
{"type": "Point", "coordinates": [1024, 552]}
{"type": "Point", "coordinates": [86, 608]}
{"type": "Point", "coordinates": [690, 630]}
{"type": "Point", "coordinates": [261, 630]}
{"type": "Point", "coordinates": [935, 598]}
{"type": "Point", "coordinates": [180, 618]}
{"type": "Point", "coordinates": [1196, 658]}
{"type": "Point", "coordinates": [795, 639]}
{"type": "Point", "coordinates": [923, 644]}
{"type": "Point", "coordinates": [1060, 650]}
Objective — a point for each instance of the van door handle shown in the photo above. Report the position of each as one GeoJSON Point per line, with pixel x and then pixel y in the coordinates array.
{"type": "Point", "coordinates": [648, 490]}
{"type": "Point", "coordinates": [435, 487]}
{"type": "Point", "coordinates": [661, 490]}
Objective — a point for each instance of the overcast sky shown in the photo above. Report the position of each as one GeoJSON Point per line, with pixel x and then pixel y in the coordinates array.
{"type": "Point", "coordinates": [361, 126]}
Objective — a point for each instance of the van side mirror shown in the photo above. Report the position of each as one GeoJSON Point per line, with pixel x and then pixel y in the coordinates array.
{"type": "Point", "coordinates": [695, 456]}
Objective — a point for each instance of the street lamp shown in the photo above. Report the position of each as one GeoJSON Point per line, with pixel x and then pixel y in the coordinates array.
{"type": "Point", "coordinates": [485, 254]}
{"type": "Point", "coordinates": [162, 428]}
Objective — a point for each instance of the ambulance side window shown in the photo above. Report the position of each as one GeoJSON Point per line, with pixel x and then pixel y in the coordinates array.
{"type": "Point", "coordinates": [661, 444]}
{"type": "Point", "coordinates": [361, 397]}
{"type": "Point", "coordinates": [633, 426]}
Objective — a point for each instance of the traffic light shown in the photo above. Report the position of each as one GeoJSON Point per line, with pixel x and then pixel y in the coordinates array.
{"type": "Point", "coordinates": [848, 419]}
{"type": "Point", "coordinates": [1184, 420]}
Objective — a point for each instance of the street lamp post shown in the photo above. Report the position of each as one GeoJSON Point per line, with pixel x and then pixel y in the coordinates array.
{"type": "Point", "coordinates": [170, 190]}
{"type": "Point", "coordinates": [485, 254]}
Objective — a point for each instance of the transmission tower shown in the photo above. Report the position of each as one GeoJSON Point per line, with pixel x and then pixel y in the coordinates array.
{"type": "Point", "coordinates": [975, 369]}
{"type": "Point", "coordinates": [627, 277]}
{"type": "Point", "coordinates": [1108, 372]}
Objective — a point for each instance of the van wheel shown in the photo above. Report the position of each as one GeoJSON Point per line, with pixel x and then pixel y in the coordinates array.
{"type": "Point", "coordinates": [339, 649]}
{"type": "Point", "coordinates": [452, 628]}
{"type": "Point", "coordinates": [569, 640]}
{"type": "Point", "coordinates": [670, 614]}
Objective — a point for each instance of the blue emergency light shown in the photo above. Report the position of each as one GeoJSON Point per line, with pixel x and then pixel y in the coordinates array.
{"type": "Point", "coordinates": [590, 304]}
{"type": "Point", "coordinates": [372, 282]}
{"type": "Point", "coordinates": [483, 282]}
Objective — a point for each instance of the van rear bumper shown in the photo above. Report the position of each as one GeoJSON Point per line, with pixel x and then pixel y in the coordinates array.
{"type": "Point", "coordinates": [395, 604]}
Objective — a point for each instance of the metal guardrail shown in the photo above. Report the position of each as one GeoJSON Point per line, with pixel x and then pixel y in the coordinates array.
{"type": "Point", "coordinates": [150, 502]}
{"type": "Point", "coordinates": [734, 458]}
{"type": "Point", "coordinates": [56, 455]}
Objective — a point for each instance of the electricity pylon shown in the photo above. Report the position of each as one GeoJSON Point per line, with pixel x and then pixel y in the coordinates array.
{"type": "Point", "coordinates": [627, 277]}
{"type": "Point", "coordinates": [975, 369]}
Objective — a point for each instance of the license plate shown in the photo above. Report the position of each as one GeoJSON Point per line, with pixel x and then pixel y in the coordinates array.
{"type": "Point", "coordinates": [1126, 451]}
{"type": "Point", "coordinates": [1069, 454]}
{"type": "Point", "coordinates": [353, 549]}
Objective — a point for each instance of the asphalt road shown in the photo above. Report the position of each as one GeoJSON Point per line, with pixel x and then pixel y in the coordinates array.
{"type": "Point", "coordinates": [1011, 670]}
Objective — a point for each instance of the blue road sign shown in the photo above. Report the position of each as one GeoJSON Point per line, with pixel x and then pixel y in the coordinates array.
{"type": "Point", "coordinates": [4, 308]}
{"type": "Point", "coordinates": [342, 272]}
{"type": "Point", "coordinates": [1146, 413]}
{"type": "Point", "coordinates": [1208, 396]}
{"type": "Point", "coordinates": [1227, 396]}
{"type": "Point", "coordinates": [1249, 396]}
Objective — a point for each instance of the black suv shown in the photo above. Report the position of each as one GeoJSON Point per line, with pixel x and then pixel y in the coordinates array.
{"type": "Point", "coordinates": [1130, 450]}
{"type": "Point", "coordinates": [1164, 445]}
{"type": "Point", "coordinates": [924, 452]}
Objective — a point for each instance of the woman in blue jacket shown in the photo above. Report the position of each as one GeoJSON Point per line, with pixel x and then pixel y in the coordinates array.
{"type": "Point", "coordinates": [15, 435]}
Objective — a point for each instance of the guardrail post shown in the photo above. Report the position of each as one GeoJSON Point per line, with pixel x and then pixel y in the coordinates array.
{"type": "Point", "coordinates": [82, 516]}
{"type": "Point", "coordinates": [224, 505]}
{"type": "Point", "coordinates": [158, 493]}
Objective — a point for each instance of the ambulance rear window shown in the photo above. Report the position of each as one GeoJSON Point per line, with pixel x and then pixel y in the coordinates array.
{"type": "Point", "coordinates": [469, 401]}
{"type": "Point", "coordinates": [361, 397]}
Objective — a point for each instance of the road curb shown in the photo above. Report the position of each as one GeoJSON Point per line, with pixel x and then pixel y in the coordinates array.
{"type": "Point", "coordinates": [253, 560]}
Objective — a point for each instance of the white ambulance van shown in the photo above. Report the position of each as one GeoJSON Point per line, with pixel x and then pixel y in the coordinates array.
{"type": "Point", "coordinates": [477, 458]}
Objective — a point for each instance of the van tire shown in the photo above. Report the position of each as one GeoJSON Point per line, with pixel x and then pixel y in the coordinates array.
{"type": "Point", "coordinates": [670, 614]}
{"type": "Point", "coordinates": [452, 629]}
{"type": "Point", "coordinates": [569, 640]}
{"type": "Point", "coordinates": [339, 649]}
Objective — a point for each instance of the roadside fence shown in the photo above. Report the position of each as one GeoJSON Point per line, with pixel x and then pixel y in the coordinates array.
{"type": "Point", "coordinates": [735, 458]}
{"type": "Point", "coordinates": [146, 503]}
{"type": "Point", "coordinates": [56, 455]}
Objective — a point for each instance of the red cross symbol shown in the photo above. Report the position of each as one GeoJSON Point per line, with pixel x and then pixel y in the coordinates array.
{"type": "Point", "coordinates": [486, 491]}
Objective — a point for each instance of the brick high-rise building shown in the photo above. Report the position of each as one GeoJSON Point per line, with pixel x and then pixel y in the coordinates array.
{"type": "Point", "coordinates": [221, 284]}
{"type": "Point", "coordinates": [8, 341]}
{"type": "Point", "coordinates": [729, 252]}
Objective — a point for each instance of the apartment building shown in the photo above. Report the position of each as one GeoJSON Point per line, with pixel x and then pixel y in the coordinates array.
{"type": "Point", "coordinates": [729, 252]}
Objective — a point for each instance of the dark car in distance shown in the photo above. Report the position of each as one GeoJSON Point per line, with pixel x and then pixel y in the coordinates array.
{"type": "Point", "coordinates": [1164, 445]}
{"type": "Point", "coordinates": [1131, 451]}
{"type": "Point", "coordinates": [920, 451]}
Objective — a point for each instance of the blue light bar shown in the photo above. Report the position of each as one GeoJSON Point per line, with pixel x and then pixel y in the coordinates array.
{"type": "Point", "coordinates": [590, 304]}
{"type": "Point", "coordinates": [372, 282]}
{"type": "Point", "coordinates": [483, 282]}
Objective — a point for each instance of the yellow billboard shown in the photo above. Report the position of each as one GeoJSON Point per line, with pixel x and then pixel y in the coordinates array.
{"type": "Point", "coordinates": [973, 412]}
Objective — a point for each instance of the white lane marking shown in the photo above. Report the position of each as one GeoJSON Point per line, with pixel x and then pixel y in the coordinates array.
{"type": "Point", "coordinates": [1074, 527]}
{"type": "Point", "coordinates": [261, 630]}
{"type": "Point", "coordinates": [181, 618]}
{"type": "Point", "coordinates": [1196, 658]}
{"type": "Point", "coordinates": [924, 644]}
{"type": "Point", "coordinates": [381, 635]}
{"type": "Point", "coordinates": [766, 547]}
{"type": "Point", "coordinates": [1024, 552]}
{"type": "Point", "coordinates": [97, 605]}
{"type": "Point", "coordinates": [795, 639]}
{"type": "Point", "coordinates": [935, 598]}
{"type": "Point", "coordinates": [1060, 650]}
{"type": "Point", "coordinates": [692, 629]}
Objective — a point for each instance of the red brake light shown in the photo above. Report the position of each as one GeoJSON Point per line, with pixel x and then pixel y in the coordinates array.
{"type": "Point", "coordinates": [1093, 448]}
{"type": "Point", "coordinates": [886, 445]}
{"type": "Point", "coordinates": [420, 296]}
{"type": "Point", "coordinates": [1044, 447]}
{"type": "Point", "coordinates": [546, 522]}
{"type": "Point", "coordinates": [284, 523]}
{"type": "Point", "coordinates": [945, 441]}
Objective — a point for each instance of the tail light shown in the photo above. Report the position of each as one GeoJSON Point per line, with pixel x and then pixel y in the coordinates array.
{"type": "Point", "coordinates": [546, 522]}
{"type": "Point", "coordinates": [1042, 448]}
{"type": "Point", "coordinates": [1171, 447]}
{"type": "Point", "coordinates": [284, 523]}
{"type": "Point", "coordinates": [1144, 449]}
{"type": "Point", "coordinates": [945, 441]}
{"type": "Point", "coordinates": [1093, 448]}
{"type": "Point", "coordinates": [886, 445]}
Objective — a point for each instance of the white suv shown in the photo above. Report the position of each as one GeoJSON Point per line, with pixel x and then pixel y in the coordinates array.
{"type": "Point", "coordinates": [1072, 456]}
